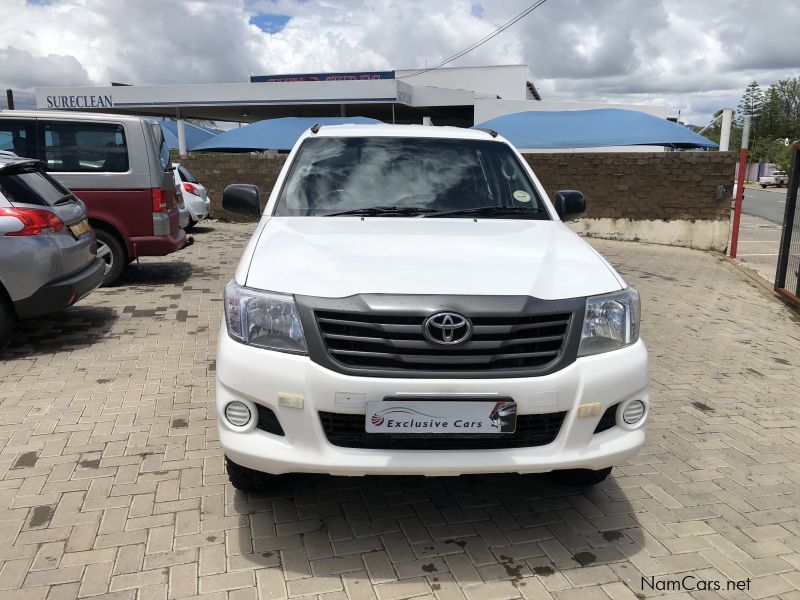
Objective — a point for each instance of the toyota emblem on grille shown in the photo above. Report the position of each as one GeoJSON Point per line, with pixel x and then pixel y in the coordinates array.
{"type": "Point", "coordinates": [447, 328]}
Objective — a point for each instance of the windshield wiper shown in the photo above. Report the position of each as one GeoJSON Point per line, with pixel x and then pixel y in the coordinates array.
{"type": "Point", "coordinates": [64, 199]}
{"type": "Point", "coordinates": [486, 211]}
{"type": "Point", "coordinates": [374, 211]}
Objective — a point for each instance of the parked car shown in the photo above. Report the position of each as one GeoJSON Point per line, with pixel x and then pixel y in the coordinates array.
{"type": "Point", "coordinates": [47, 248]}
{"type": "Point", "coordinates": [194, 195]}
{"type": "Point", "coordinates": [118, 166]}
{"type": "Point", "coordinates": [184, 217]}
{"type": "Point", "coordinates": [411, 303]}
{"type": "Point", "coordinates": [778, 179]}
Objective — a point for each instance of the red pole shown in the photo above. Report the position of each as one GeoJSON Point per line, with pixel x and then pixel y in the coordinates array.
{"type": "Point", "coordinates": [737, 209]}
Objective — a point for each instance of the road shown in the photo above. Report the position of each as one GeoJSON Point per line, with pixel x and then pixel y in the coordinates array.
{"type": "Point", "coordinates": [768, 204]}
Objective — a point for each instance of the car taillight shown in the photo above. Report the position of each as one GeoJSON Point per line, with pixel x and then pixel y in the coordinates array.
{"type": "Point", "coordinates": [191, 189]}
{"type": "Point", "coordinates": [35, 221]}
{"type": "Point", "coordinates": [159, 199]}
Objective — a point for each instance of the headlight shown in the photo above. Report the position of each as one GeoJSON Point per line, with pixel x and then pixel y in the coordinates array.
{"type": "Point", "coordinates": [263, 319]}
{"type": "Point", "coordinates": [611, 322]}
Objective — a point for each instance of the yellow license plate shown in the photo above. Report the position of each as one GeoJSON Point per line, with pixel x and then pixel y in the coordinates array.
{"type": "Point", "coordinates": [80, 228]}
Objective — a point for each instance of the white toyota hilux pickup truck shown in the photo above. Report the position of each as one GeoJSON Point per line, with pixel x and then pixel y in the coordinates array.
{"type": "Point", "coordinates": [411, 303]}
{"type": "Point", "coordinates": [777, 178]}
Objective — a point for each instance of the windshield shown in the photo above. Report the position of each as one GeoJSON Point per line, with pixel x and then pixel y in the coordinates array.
{"type": "Point", "coordinates": [385, 176]}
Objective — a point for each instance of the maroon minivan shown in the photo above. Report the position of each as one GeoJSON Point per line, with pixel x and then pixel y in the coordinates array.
{"type": "Point", "coordinates": [117, 165]}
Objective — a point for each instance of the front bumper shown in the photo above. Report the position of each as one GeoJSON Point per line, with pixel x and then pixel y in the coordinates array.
{"type": "Point", "coordinates": [58, 295]}
{"type": "Point", "coordinates": [256, 376]}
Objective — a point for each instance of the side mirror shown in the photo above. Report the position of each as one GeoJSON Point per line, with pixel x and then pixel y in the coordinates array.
{"type": "Point", "coordinates": [569, 203]}
{"type": "Point", "coordinates": [243, 199]}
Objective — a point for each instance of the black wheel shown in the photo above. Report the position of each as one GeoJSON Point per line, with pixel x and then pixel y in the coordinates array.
{"type": "Point", "coordinates": [246, 480]}
{"type": "Point", "coordinates": [112, 252]}
{"type": "Point", "coordinates": [763, 186]}
{"type": "Point", "coordinates": [580, 477]}
{"type": "Point", "coordinates": [190, 226]}
{"type": "Point", "coordinates": [7, 318]}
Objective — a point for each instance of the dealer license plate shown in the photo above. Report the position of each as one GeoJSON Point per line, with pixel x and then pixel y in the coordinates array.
{"type": "Point", "coordinates": [445, 417]}
{"type": "Point", "coordinates": [80, 228]}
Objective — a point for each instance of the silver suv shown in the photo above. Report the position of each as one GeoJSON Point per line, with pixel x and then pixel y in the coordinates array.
{"type": "Point", "coordinates": [47, 248]}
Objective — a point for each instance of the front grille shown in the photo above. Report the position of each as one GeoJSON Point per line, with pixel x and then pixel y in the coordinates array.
{"type": "Point", "coordinates": [396, 342]}
{"type": "Point", "coordinates": [347, 431]}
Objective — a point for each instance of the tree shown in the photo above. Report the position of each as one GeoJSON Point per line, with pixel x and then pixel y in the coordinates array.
{"type": "Point", "coordinates": [751, 104]}
{"type": "Point", "coordinates": [773, 122]}
{"type": "Point", "coordinates": [775, 116]}
{"type": "Point", "coordinates": [780, 113]}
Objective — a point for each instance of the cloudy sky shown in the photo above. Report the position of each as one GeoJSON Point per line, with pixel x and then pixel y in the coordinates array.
{"type": "Point", "coordinates": [692, 55]}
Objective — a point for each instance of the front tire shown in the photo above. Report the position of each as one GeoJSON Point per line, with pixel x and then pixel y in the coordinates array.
{"type": "Point", "coordinates": [246, 480]}
{"type": "Point", "coordinates": [763, 186]}
{"type": "Point", "coordinates": [111, 251]}
{"type": "Point", "coordinates": [580, 477]}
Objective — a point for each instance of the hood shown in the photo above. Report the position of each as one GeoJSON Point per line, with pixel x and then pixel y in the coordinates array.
{"type": "Point", "coordinates": [335, 257]}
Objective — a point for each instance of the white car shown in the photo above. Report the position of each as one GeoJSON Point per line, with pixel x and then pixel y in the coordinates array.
{"type": "Point", "coordinates": [411, 303]}
{"type": "Point", "coordinates": [777, 178]}
{"type": "Point", "coordinates": [195, 197]}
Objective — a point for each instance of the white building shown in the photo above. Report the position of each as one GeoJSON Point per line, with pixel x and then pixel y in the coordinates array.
{"type": "Point", "coordinates": [461, 96]}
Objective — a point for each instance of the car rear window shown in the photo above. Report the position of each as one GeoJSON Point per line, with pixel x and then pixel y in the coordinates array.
{"type": "Point", "coordinates": [30, 186]}
{"type": "Point", "coordinates": [78, 147]}
{"type": "Point", "coordinates": [186, 175]}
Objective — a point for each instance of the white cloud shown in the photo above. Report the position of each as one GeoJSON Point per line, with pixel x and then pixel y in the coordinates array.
{"type": "Point", "coordinates": [693, 56]}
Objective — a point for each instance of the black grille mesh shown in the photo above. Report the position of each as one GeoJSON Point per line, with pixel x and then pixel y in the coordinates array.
{"type": "Point", "coordinates": [347, 431]}
{"type": "Point", "coordinates": [396, 342]}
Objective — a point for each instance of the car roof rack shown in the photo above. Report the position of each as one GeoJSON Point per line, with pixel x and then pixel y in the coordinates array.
{"type": "Point", "coordinates": [491, 132]}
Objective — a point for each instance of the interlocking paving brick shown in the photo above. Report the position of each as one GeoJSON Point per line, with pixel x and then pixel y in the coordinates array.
{"type": "Point", "coordinates": [112, 481]}
{"type": "Point", "coordinates": [407, 588]}
{"type": "Point", "coordinates": [183, 580]}
{"type": "Point", "coordinates": [313, 585]}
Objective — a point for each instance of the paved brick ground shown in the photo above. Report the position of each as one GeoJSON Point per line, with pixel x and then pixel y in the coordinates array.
{"type": "Point", "coordinates": [112, 482]}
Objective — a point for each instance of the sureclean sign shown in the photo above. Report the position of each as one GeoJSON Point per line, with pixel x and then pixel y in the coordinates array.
{"type": "Point", "coordinates": [85, 101]}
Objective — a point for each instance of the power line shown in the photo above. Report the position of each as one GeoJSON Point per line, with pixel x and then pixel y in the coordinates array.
{"type": "Point", "coordinates": [481, 41]}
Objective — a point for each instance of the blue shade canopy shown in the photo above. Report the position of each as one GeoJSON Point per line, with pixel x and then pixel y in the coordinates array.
{"type": "Point", "coordinates": [194, 134]}
{"type": "Point", "coordinates": [273, 134]}
{"type": "Point", "coordinates": [593, 129]}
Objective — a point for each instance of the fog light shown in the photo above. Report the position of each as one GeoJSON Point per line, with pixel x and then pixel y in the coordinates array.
{"type": "Point", "coordinates": [237, 413]}
{"type": "Point", "coordinates": [633, 412]}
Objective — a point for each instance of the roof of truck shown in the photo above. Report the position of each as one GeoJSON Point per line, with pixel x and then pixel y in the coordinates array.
{"type": "Point", "coordinates": [417, 131]}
